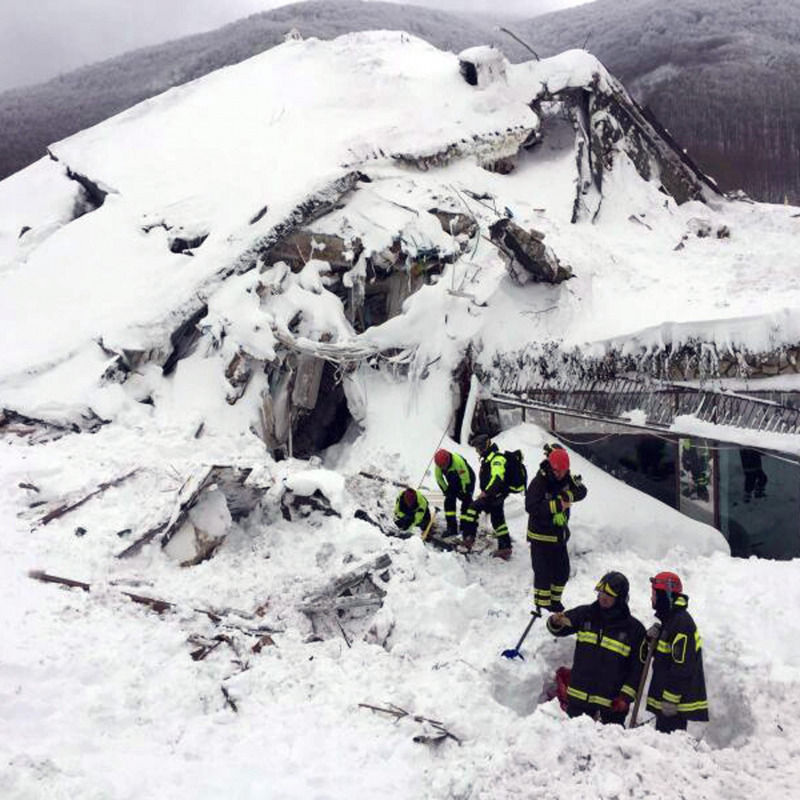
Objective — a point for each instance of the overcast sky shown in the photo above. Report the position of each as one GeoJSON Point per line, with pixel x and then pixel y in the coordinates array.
{"type": "Point", "coordinates": [42, 38]}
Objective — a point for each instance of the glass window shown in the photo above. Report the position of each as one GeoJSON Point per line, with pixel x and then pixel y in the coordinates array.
{"type": "Point", "coordinates": [759, 503]}
{"type": "Point", "coordinates": [643, 461]}
{"type": "Point", "coordinates": [696, 480]}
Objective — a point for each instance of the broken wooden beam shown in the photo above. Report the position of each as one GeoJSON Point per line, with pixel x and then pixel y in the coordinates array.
{"type": "Point", "coordinates": [67, 507]}
{"type": "Point", "coordinates": [144, 539]}
{"type": "Point", "coordinates": [158, 605]}
{"type": "Point", "coordinates": [40, 575]}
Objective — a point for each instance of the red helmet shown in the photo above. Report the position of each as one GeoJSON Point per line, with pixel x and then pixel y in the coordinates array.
{"type": "Point", "coordinates": [559, 459]}
{"type": "Point", "coordinates": [409, 498]}
{"type": "Point", "coordinates": [442, 459]}
{"type": "Point", "coordinates": [668, 582]}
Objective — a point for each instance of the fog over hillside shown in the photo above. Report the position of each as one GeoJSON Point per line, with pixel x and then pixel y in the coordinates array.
{"type": "Point", "coordinates": [720, 77]}
{"type": "Point", "coordinates": [33, 117]}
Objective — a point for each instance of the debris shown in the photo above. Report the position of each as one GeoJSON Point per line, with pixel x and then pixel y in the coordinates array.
{"type": "Point", "coordinates": [66, 508]}
{"type": "Point", "coordinates": [634, 218]}
{"type": "Point", "coordinates": [144, 539]}
{"type": "Point", "coordinates": [265, 641]}
{"type": "Point", "coordinates": [345, 596]}
{"type": "Point", "coordinates": [338, 594]}
{"type": "Point", "coordinates": [229, 701]}
{"type": "Point", "coordinates": [240, 498]}
{"type": "Point", "coordinates": [207, 646]}
{"type": "Point", "coordinates": [158, 605]}
{"type": "Point", "coordinates": [526, 255]}
{"type": "Point", "coordinates": [398, 713]}
{"type": "Point", "coordinates": [344, 635]}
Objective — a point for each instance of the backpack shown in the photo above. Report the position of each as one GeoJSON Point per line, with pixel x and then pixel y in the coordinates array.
{"type": "Point", "coordinates": [516, 474]}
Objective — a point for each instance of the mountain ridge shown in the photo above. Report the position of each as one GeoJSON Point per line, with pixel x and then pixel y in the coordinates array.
{"type": "Point", "coordinates": [695, 67]}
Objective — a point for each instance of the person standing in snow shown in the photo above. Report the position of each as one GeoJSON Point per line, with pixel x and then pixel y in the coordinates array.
{"type": "Point", "coordinates": [548, 500]}
{"type": "Point", "coordinates": [610, 652]}
{"type": "Point", "coordinates": [678, 688]}
{"type": "Point", "coordinates": [456, 479]}
{"type": "Point", "coordinates": [411, 509]}
{"type": "Point", "coordinates": [494, 490]}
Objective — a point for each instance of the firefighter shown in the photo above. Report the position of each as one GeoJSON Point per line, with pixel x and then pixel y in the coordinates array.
{"type": "Point", "coordinates": [548, 500]}
{"type": "Point", "coordinates": [678, 687]}
{"type": "Point", "coordinates": [456, 479]}
{"type": "Point", "coordinates": [494, 490]}
{"type": "Point", "coordinates": [411, 509]}
{"type": "Point", "coordinates": [610, 652]}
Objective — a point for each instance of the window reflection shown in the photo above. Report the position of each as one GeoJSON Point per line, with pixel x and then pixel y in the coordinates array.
{"type": "Point", "coordinates": [697, 480]}
{"type": "Point", "coordinates": [759, 501]}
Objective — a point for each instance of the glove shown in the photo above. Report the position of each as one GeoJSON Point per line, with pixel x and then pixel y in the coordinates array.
{"type": "Point", "coordinates": [559, 620]}
{"type": "Point", "coordinates": [620, 704]}
{"type": "Point", "coordinates": [560, 519]}
{"type": "Point", "coordinates": [654, 631]}
{"type": "Point", "coordinates": [669, 709]}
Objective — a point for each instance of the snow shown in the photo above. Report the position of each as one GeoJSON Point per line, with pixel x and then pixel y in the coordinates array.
{"type": "Point", "coordinates": [99, 697]}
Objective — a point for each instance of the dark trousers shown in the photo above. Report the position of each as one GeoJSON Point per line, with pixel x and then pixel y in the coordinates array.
{"type": "Point", "coordinates": [608, 717]}
{"type": "Point", "coordinates": [755, 479]}
{"type": "Point", "coordinates": [493, 506]}
{"type": "Point", "coordinates": [451, 517]}
{"type": "Point", "coordinates": [550, 563]}
{"type": "Point", "coordinates": [669, 724]}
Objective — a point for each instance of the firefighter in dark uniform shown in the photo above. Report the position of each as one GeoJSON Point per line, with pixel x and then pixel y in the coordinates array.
{"type": "Point", "coordinates": [411, 509]}
{"type": "Point", "coordinates": [494, 490]}
{"type": "Point", "coordinates": [548, 500]}
{"type": "Point", "coordinates": [610, 652]}
{"type": "Point", "coordinates": [456, 479]}
{"type": "Point", "coordinates": [678, 687]}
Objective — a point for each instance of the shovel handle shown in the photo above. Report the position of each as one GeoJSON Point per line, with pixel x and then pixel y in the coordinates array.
{"type": "Point", "coordinates": [650, 650]}
{"type": "Point", "coordinates": [522, 638]}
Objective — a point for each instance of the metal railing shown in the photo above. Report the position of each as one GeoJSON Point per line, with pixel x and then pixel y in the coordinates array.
{"type": "Point", "coordinates": [661, 403]}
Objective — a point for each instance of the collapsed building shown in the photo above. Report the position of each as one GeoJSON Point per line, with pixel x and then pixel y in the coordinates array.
{"type": "Point", "coordinates": [299, 373]}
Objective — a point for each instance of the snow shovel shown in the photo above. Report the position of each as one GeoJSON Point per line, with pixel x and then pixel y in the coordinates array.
{"type": "Point", "coordinates": [514, 651]}
{"type": "Point", "coordinates": [650, 650]}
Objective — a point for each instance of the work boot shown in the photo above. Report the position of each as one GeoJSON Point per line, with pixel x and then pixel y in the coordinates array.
{"type": "Point", "coordinates": [504, 553]}
{"type": "Point", "coordinates": [556, 606]}
{"type": "Point", "coordinates": [469, 543]}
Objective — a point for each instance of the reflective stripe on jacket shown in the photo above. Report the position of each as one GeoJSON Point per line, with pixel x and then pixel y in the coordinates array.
{"type": "Point", "coordinates": [610, 652]}
{"type": "Point", "coordinates": [678, 665]}
{"type": "Point", "coordinates": [544, 500]}
{"type": "Point", "coordinates": [493, 472]}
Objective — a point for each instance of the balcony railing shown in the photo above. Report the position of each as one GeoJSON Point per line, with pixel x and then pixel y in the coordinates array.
{"type": "Point", "coordinates": [616, 400]}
